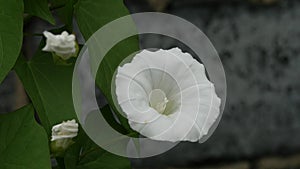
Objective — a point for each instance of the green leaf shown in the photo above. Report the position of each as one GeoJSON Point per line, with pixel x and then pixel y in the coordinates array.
{"type": "Point", "coordinates": [92, 15]}
{"type": "Point", "coordinates": [49, 86]}
{"type": "Point", "coordinates": [23, 143]}
{"type": "Point", "coordinates": [65, 14]}
{"type": "Point", "coordinates": [85, 154]}
{"type": "Point", "coordinates": [40, 9]}
{"type": "Point", "coordinates": [11, 34]}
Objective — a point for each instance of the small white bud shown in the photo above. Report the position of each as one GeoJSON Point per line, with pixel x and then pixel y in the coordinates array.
{"type": "Point", "coordinates": [62, 45]}
{"type": "Point", "coordinates": [62, 135]}
{"type": "Point", "coordinates": [64, 130]}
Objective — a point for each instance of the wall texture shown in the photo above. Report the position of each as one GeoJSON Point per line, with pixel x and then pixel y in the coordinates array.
{"type": "Point", "coordinates": [259, 48]}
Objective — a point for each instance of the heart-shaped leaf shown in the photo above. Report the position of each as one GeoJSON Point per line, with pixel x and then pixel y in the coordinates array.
{"type": "Point", "coordinates": [11, 34]}
{"type": "Point", "coordinates": [40, 9]}
{"type": "Point", "coordinates": [49, 87]}
{"type": "Point", "coordinates": [92, 15]}
{"type": "Point", "coordinates": [23, 142]}
{"type": "Point", "coordinates": [85, 154]}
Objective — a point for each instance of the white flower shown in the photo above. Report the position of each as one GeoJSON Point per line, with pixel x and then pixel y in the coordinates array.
{"type": "Point", "coordinates": [62, 135]}
{"type": "Point", "coordinates": [63, 45]}
{"type": "Point", "coordinates": [167, 96]}
{"type": "Point", "coordinates": [65, 130]}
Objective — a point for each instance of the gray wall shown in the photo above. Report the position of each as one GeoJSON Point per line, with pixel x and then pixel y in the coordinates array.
{"type": "Point", "coordinates": [259, 46]}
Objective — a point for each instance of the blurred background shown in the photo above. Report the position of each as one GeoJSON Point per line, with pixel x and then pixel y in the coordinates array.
{"type": "Point", "coordinates": [259, 44]}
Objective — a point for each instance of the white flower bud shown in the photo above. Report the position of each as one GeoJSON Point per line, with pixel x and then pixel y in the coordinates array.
{"type": "Point", "coordinates": [62, 135]}
{"type": "Point", "coordinates": [64, 130]}
{"type": "Point", "coordinates": [62, 45]}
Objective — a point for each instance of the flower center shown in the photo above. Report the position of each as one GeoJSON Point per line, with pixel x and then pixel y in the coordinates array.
{"type": "Point", "coordinates": [158, 100]}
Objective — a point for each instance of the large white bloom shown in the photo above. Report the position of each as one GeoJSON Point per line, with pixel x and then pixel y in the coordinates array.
{"type": "Point", "coordinates": [166, 96]}
{"type": "Point", "coordinates": [65, 130]}
{"type": "Point", "coordinates": [62, 45]}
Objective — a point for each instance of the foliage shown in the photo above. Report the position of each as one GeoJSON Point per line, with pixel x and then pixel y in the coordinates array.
{"type": "Point", "coordinates": [24, 139]}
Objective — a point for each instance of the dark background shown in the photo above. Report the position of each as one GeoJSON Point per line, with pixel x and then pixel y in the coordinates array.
{"type": "Point", "coordinates": [259, 45]}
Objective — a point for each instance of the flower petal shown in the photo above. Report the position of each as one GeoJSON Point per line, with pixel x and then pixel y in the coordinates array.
{"type": "Point", "coordinates": [192, 106]}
